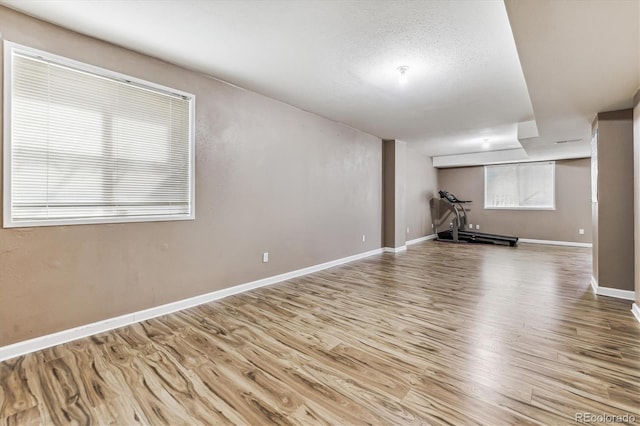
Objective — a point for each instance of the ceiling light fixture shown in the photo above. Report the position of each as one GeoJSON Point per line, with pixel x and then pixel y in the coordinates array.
{"type": "Point", "coordinates": [486, 144]}
{"type": "Point", "coordinates": [403, 73]}
{"type": "Point", "coordinates": [567, 141]}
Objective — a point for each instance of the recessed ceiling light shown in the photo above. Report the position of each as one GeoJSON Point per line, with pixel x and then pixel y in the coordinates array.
{"type": "Point", "coordinates": [486, 144]}
{"type": "Point", "coordinates": [403, 73]}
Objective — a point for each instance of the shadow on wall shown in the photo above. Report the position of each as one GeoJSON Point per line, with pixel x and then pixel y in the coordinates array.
{"type": "Point", "coordinates": [441, 214]}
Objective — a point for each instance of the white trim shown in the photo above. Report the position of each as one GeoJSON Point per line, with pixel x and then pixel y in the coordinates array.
{"type": "Point", "coordinates": [611, 292]}
{"type": "Point", "coordinates": [555, 243]}
{"type": "Point", "coordinates": [541, 208]}
{"type": "Point", "coordinates": [7, 155]}
{"type": "Point", "coordinates": [395, 249]}
{"type": "Point", "coordinates": [42, 342]}
{"type": "Point", "coordinates": [421, 239]}
{"type": "Point", "coordinates": [615, 292]}
{"type": "Point", "coordinates": [636, 311]}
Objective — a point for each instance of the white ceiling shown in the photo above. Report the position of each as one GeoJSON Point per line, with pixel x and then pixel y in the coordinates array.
{"type": "Point", "coordinates": [339, 59]}
{"type": "Point", "coordinates": [579, 58]}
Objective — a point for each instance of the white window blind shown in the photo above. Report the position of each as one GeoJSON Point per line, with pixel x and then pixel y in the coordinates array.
{"type": "Point", "coordinates": [520, 186]}
{"type": "Point", "coordinates": [85, 145]}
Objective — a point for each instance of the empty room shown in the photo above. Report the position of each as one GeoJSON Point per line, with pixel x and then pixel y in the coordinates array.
{"type": "Point", "coordinates": [301, 212]}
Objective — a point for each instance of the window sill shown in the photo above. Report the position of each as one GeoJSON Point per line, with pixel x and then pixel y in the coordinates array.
{"type": "Point", "coordinates": [521, 208]}
{"type": "Point", "coordinates": [95, 221]}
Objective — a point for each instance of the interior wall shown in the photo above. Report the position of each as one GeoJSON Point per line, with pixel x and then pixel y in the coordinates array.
{"type": "Point", "coordinates": [389, 194]}
{"type": "Point", "coordinates": [395, 193]}
{"type": "Point", "coordinates": [422, 185]}
{"type": "Point", "coordinates": [615, 204]}
{"type": "Point", "coordinates": [269, 178]}
{"type": "Point", "coordinates": [401, 194]}
{"type": "Point", "coordinates": [636, 179]}
{"type": "Point", "coordinates": [573, 204]}
{"type": "Point", "coordinates": [595, 248]}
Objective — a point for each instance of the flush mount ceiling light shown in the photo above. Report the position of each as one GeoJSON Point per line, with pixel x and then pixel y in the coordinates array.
{"type": "Point", "coordinates": [567, 141]}
{"type": "Point", "coordinates": [486, 144]}
{"type": "Point", "coordinates": [403, 73]}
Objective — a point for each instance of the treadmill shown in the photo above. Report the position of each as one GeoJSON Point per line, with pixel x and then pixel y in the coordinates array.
{"type": "Point", "coordinates": [448, 205]}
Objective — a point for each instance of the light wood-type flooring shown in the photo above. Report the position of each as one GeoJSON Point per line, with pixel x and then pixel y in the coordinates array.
{"type": "Point", "coordinates": [441, 334]}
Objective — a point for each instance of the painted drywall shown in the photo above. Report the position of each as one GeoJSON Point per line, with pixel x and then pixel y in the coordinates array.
{"type": "Point", "coordinates": [636, 171]}
{"type": "Point", "coordinates": [595, 231]}
{"type": "Point", "coordinates": [269, 178]}
{"type": "Point", "coordinates": [636, 179]}
{"type": "Point", "coordinates": [394, 175]}
{"type": "Point", "coordinates": [595, 247]}
{"type": "Point", "coordinates": [615, 206]}
{"type": "Point", "coordinates": [389, 195]}
{"type": "Point", "coordinates": [422, 185]}
{"type": "Point", "coordinates": [401, 193]}
{"type": "Point", "coordinates": [573, 204]}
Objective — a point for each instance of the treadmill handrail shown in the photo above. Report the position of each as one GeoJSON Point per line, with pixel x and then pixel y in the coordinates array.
{"type": "Point", "coordinates": [449, 197]}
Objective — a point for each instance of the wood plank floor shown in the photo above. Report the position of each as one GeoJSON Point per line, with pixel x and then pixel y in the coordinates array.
{"type": "Point", "coordinates": [441, 334]}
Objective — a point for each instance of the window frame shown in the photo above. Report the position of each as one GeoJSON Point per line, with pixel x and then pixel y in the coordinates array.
{"type": "Point", "coordinates": [527, 208]}
{"type": "Point", "coordinates": [8, 220]}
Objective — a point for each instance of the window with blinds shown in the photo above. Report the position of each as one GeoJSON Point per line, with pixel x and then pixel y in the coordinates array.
{"type": "Point", "coordinates": [520, 186]}
{"type": "Point", "coordinates": [87, 145]}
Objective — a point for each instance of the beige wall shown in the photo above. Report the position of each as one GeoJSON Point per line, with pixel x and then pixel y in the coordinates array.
{"type": "Point", "coordinates": [614, 220]}
{"type": "Point", "coordinates": [595, 249]}
{"type": "Point", "coordinates": [394, 197]}
{"type": "Point", "coordinates": [389, 195]}
{"type": "Point", "coordinates": [636, 171]}
{"type": "Point", "coordinates": [410, 180]}
{"type": "Point", "coordinates": [573, 204]}
{"type": "Point", "coordinates": [422, 185]}
{"type": "Point", "coordinates": [269, 177]}
{"type": "Point", "coordinates": [400, 223]}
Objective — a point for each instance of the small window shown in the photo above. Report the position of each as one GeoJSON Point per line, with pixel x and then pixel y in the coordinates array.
{"type": "Point", "coordinates": [87, 145]}
{"type": "Point", "coordinates": [520, 186]}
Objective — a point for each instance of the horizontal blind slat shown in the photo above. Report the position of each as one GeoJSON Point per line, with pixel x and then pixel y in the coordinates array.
{"type": "Point", "coordinates": [522, 185]}
{"type": "Point", "coordinates": [85, 146]}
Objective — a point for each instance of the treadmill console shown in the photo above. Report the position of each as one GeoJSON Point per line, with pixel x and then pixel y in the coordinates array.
{"type": "Point", "coordinates": [450, 197]}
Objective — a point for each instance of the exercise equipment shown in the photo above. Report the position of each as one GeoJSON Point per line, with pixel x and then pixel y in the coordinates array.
{"type": "Point", "coordinates": [449, 206]}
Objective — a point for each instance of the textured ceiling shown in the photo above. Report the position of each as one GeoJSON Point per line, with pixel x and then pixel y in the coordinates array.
{"type": "Point", "coordinates": [339, 59]}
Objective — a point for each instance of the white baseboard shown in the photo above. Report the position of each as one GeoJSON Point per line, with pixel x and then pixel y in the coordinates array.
{"type": "Point", "coordinates": [408, 243]}
{"type": "Point", "coordinates": [611, 292]}
{"type": "Point", "coordinates": [636, 311]}
{"type": "Point", "coordinates": [421, 239]}
{"type": "Point", "coordinates": [554, 243]}
{"type": "Point", "coordinates": [395, 249]}
{"type": "Point", "coordinates": [43, 342]}
{"type": "Point", "coordinates": [615, 292]}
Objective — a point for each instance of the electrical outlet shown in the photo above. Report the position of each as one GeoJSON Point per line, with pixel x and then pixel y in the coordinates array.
{"type": "Point", "coordinates": [265, 257]}
{"type": "Point", "coordinates": [471, 226]}
{"type": "Point", "coordinates": [581, 231]}
{"type": "Point", "coordinates": [477, 226]}
{"type": "Point", "coordinates": [364, 238]}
